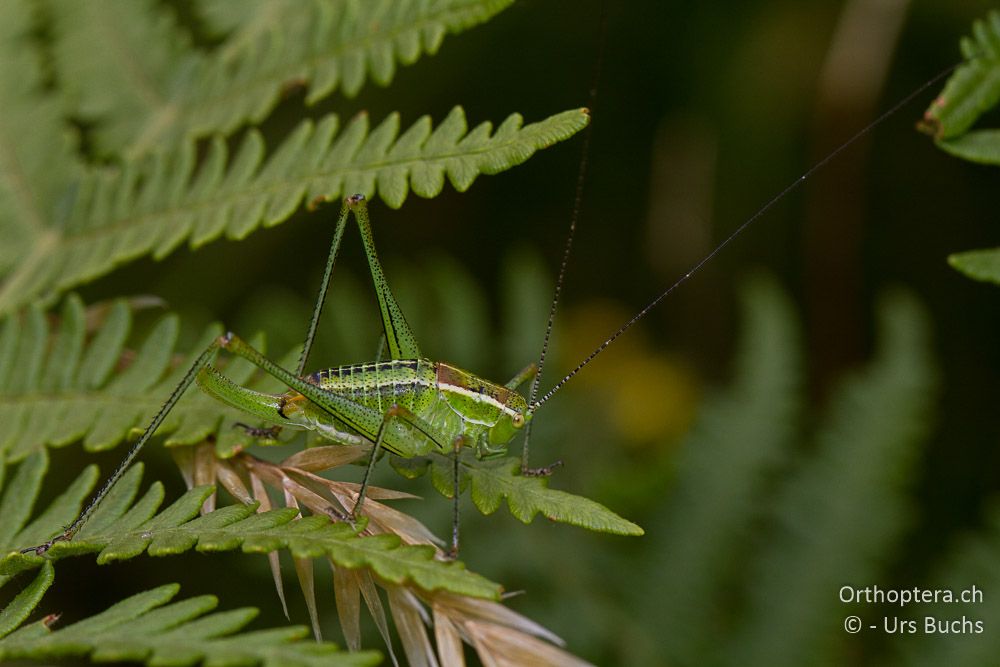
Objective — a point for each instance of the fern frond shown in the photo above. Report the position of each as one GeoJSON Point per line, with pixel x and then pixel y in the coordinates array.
{"type": "Point", "coordinates": [59, 385]}
{"type": "Point", "coordinates": [979, 146]}
{"type": "Point", "coordinates": [37, 148]}
{"type": "Point", "coordinates": [120, 530]}
{"type": "Point", "coordinates": [120, 64]}
{"type": "Point", "coordinates": [847, 506]}
{"type": "Point", "coordinates": [981, 265]}
{"type": "Point", "coordinates": [499, 635]}
{"type": "Point", "coordinates": [494, 481]}
{"type": "Point", "coordinates": [219, 18]}
{"type": "Point", "coordinates": [154, 204]}
{"type": "Point", "coordinates": [740, 438]}
{"type": "Point", "coordinates": [974, 88]}
{"type": "Point", "coordinates": [148, 628]}
{"type": "Point", "coordinates": [15, 613]}
{"type": "Point", "coordinates": [414, 580]}
{"type": "Point", "coordinates": [163, 91]}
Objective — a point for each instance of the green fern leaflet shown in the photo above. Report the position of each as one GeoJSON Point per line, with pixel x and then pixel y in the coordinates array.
{"type": "Point", "coordinates": [66, 221]}
{"type": "Point", "coordinates": [149, 628]}
{"type": "Point", "coordinates": [972, 91]}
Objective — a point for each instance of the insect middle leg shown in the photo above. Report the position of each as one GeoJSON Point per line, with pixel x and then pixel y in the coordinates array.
{"type": "Point", "coordinates": [399, 414]}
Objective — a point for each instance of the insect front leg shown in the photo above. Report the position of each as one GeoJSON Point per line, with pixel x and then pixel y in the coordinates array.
{"type": "Point", "coordinates": [457, 445]}
{"type": "Point", "coordinates": [526, 374]}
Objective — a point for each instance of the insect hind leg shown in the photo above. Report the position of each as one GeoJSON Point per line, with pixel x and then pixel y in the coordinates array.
{"type": "Point", "coordinates": [200, 363]}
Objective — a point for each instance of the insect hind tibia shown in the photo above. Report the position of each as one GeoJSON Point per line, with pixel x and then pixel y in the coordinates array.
{"type": "Point", "coordinates": [203, 360]}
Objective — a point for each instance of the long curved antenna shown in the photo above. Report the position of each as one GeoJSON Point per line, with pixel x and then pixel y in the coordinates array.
{"type": "Point", "coordinates": [581, 177]}
{"type": "Point", "coordinates": [739, 230]}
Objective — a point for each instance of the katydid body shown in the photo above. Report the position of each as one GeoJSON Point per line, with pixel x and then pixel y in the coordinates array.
{"type": "Point", "coordinates": [409, 405]}
{"type": "Point", "coordinates": [443, 402]}
{"type": "Point", "coordinates": [450, 401]}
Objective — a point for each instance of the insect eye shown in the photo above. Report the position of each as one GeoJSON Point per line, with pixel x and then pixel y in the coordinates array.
{"type": "Point", "coordinates": [517, 420]}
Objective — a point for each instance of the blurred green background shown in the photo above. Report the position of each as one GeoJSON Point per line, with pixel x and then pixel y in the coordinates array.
{"type": "Point", "coordinates": [789, 486]}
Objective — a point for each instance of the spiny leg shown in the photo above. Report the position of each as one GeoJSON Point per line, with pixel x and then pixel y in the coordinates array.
{"type": "Point", "coordinates": [528, 373]}
{"type": "Point", "coordinates": [356, 510]}
{"type": "Point", "coordinates": [397, 412]}
{"type": "Point", "coordinates": [398, 336]}
{"type": "Point", "coordinates": [457, 445]}
{"type": "Point", "coordinates": [324, 287]}
{"type": "Point", "coordinates": [272, 432]}
{"type": "Point", "coordinates": [200, 363]}
{"type": "Point", "coordinates": [354, 415]}
{"type": "Point", "coordinates": [394, 413]}
{"type": "Point", "coordinates": [528, 471]}
{"type": "Point", "coordinates": [268, 407]}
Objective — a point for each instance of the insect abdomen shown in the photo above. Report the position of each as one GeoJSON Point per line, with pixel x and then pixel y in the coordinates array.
{"type": "Point", "coordinates": [410, 383]}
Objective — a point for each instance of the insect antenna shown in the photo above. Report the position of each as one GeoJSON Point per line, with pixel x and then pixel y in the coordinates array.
{"type": "Point", "coordinates": [534, 404]}
{"type": "Point", "coordinates": [581, 177]}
